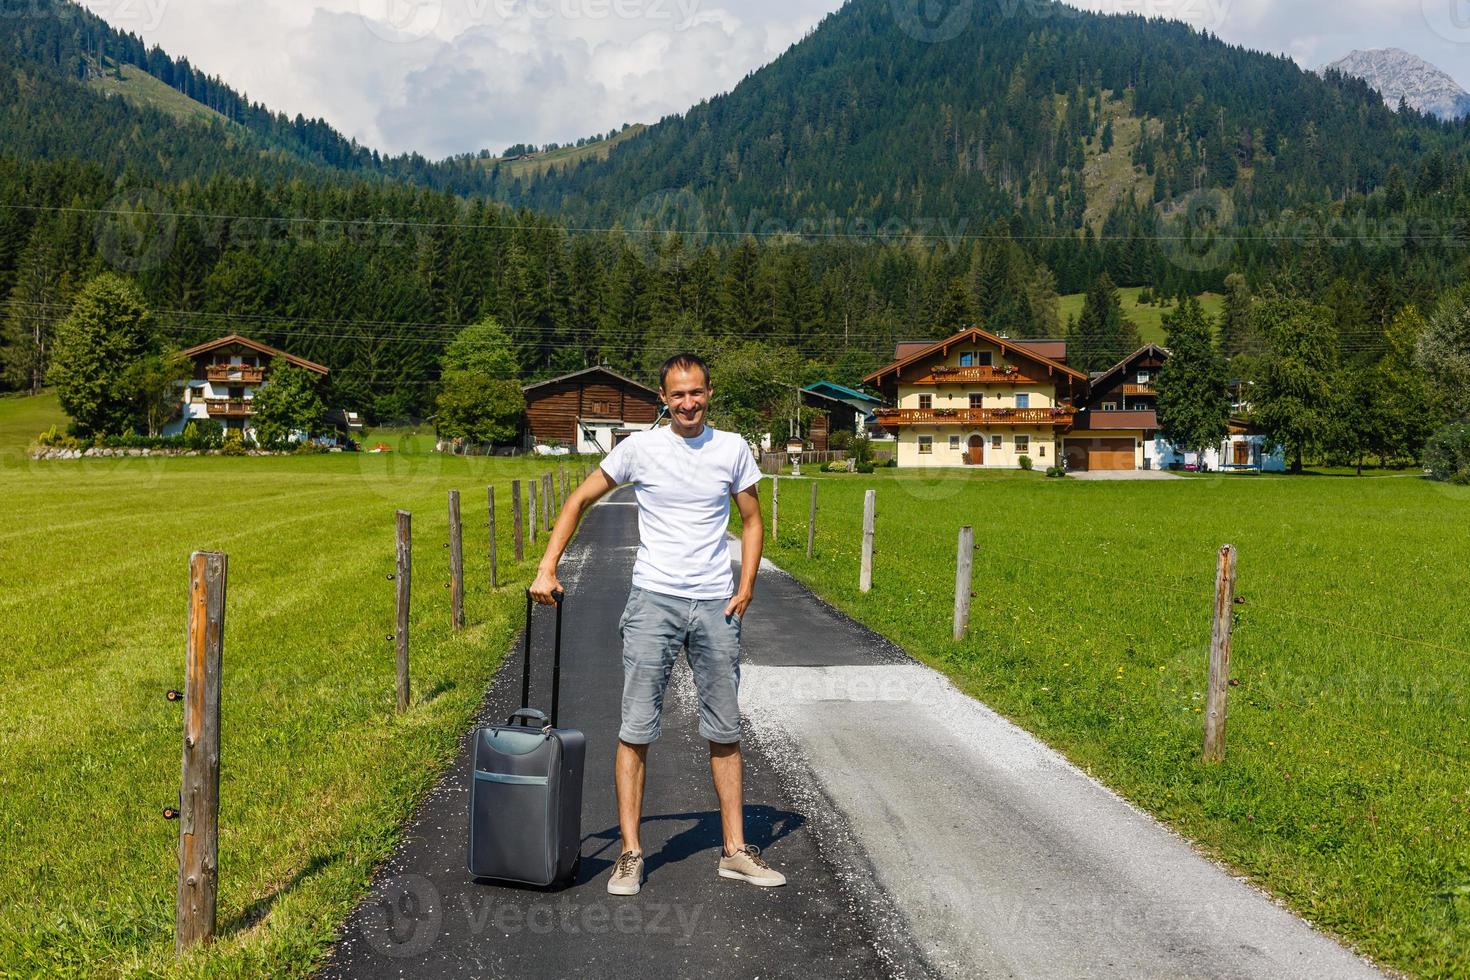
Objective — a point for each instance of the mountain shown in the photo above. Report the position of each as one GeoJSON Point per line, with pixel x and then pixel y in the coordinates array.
{"type": "Point", "coordinates": [1397, 74]}
{"type": "Point", "coordinates": [74, 87]}
{"type": "Point", "coordinates": [1035, 114]}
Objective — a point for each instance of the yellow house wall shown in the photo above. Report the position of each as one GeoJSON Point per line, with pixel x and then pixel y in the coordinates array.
{"type": "Point", "coordinates": [1042, 449]}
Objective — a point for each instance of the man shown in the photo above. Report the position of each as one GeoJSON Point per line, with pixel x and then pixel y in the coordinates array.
{"type": "Point", "coordinates": [683, 595]}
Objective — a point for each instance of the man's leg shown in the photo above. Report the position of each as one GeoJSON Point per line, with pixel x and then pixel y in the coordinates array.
{"type": "Point", "coordinates": [629, 770]}
{"type": "Point", "coordinates": [726, 767]}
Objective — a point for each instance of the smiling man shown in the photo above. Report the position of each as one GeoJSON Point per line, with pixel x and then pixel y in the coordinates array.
{"type": "Point", "coordinates": [683, 596]}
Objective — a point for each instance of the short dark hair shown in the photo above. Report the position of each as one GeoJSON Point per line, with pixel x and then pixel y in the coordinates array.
{"type": "Point", "coordinates": [684, 362]}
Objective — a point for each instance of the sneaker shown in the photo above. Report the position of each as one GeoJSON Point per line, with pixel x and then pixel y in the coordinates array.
{"type": "Point", "coordinates": [627, 874]}
{"type": "Point", "coordinates": [747, 864]}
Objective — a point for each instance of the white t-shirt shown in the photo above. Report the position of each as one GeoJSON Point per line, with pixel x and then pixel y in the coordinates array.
{"type": "Point", "coordinates": [683, 488]}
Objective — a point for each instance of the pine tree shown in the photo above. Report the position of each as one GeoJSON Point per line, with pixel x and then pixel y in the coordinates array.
{"type": "Point", "coordinates": [108, 330]}
{"type": "Point", "coordinates": [1194, 408]}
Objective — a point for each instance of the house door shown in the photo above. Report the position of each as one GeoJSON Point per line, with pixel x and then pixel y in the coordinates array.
{"type": "Point", "coordinates": [977, 451]}
{"type": "Point", "coordinates": [1242, 453]}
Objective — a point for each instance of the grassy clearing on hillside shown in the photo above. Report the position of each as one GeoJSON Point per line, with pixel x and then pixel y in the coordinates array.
{"type": "Point", "coordinates": [1346, 788]}
{"type": "Point", "coordinates": [317, 772]}
{"type": "Point", "coordinates": [539, 163]}
{"type": "Point", "coordinates": [141, 88]}
{"type": "Point", "coordinates": [1150, 319]}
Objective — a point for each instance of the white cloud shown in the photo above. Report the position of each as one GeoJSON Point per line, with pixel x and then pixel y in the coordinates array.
{"type": "Point", "coordinates": [451, 76]}
{"type": "Point", "coordinates": [469, 74]}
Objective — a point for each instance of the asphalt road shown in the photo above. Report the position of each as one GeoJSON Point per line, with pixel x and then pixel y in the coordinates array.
{"type": "Point", "coordinates": [425, 916]}
{"type": "Point", "coordinates": [923, 835]}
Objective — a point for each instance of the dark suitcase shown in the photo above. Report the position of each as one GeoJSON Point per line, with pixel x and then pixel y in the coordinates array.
{"type": "Point", "coordinates": [526, 794]}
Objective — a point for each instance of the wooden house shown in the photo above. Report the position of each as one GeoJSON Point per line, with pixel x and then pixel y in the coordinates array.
{"type": "Point", "coordinates": [978, 399]}
{"type": "Point", "coordinates": [588, 411]}
{"type": "Point", "coordinates": [227, 371]}
{"type": "Point", "coordinates": [1114, 428]}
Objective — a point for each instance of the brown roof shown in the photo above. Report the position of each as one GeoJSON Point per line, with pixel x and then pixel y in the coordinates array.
{"type": "Point", "coordinates": [255, 345]}
{"type": "Point", "coordinates": [1048, 347]}
{"type": "Point", "coordinates": [592, 370]}
{"type": "Point", "coordinates": [973, 333]}
{"type": "Point", "coordinates": [907, 347]}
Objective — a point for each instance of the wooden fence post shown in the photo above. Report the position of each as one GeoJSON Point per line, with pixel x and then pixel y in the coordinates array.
{"type": "Point", "coordinates": [403, 575]}
{"type": "Point", "coordinates": [531, 509]}
{"type": "Point", "coordinates": [1219, 683]}
{"type": "Point", "coordinates": [490, 523]}
{"type": "Point", "coordinates": [546, 494]}
{"type": "Point", "coordinates": [199, 792]}
{"type": "Point", "coordinates": [775, 509]}
{"type": "Point", "coordinates": [963, 563]}
{"type": "Point", "coordinates": [865, 575]}
{"type": "Point", "coordinates": [811, 523]}
{"type": "Point", "coordinates": [456, 563]}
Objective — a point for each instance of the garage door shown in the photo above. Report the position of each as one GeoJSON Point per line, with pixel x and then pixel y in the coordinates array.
{"type": "Point", "coordinates": [1100, 454]}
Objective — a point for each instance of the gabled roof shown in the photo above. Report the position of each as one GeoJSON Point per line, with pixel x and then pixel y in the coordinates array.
{"type": "Point", "coordinates": [592, 370]}
{"type": "Point", "coordinates": [842, 391]}
{"type": "Point", "coordinates": [254, 345]}
{"type": "Point", "coordinates": [972, 334]}
{"type": "Point", "coordinates": [1154, 349]}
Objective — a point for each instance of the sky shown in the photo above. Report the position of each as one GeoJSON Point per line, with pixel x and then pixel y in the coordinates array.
{"type": "Point", "coordinates": [456, 76]}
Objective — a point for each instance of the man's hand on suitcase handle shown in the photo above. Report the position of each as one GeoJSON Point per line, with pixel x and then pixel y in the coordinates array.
{"type": "Point", "coordinates": [546, 589]}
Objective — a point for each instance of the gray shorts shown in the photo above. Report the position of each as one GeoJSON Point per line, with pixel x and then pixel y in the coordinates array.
{"type": "Point", "coordinates": [654, 627]}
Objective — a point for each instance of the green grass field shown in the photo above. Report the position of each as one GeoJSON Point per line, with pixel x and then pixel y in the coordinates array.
{"type": "Point", "coordinates": [1346, 788]}
{"type": "Point", "coordinates": [318, 774]}
{"type": "Point", "coordinates": [1150, 319]}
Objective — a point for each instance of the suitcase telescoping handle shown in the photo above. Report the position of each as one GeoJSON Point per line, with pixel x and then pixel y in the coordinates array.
{"type": "Point", "coordinates": [559, 596]}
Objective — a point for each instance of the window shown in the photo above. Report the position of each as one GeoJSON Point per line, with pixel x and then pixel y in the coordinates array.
{"type": "Point", "coordinates": [954, 444]}
{"type": "Point", "coordinates": [977, 399]}
{"type": "Point", "coordinates": [926, 445]}
{"type": "Point", "coordinates": [1143, 377]}
{"type": "Point", "coordinates": [1023, 400]}
{"type": "Point", "coordinates": [1109, 406]}
{"type": "Point", "coordinates": [1023, 444]}
{"type": "Point", "coordinates": [926, 402]}
{"type": "Point", "coordinates": [967, 358]}
{"type": "Point", "coordinates": [995, 442]}
{"type": "Point", "coordinates": [1041, 450]}
{"type": "Point", "coordinates": [985, 358]}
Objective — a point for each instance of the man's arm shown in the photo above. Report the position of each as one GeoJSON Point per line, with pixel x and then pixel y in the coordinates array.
{"type": "Point", "coordinates": [752, 539]}
{"type": "Point", "coordinates": [596, 484]}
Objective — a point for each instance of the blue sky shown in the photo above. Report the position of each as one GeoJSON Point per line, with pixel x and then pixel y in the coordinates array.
{"type": "Point", "coordinates": [451, 76]}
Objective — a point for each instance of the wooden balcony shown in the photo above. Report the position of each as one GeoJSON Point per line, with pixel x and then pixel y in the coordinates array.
{"type": "Point", "coordinates": [228, 407]}
{"type": "Point", "coordinates": [982, 375]}
{"type": "Point", "coordinates": [1139, 390]}
{"type": "Point", "coordinates": [890, 418]}
{"type": "Point", "coordinates": [235, 373]}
